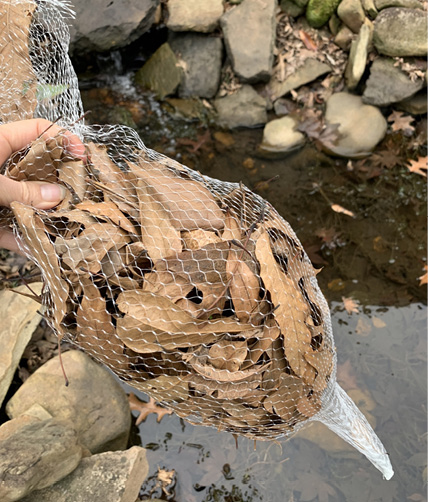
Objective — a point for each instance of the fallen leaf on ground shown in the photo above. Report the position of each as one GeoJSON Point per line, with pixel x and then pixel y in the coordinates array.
{"type": "Point", "coordinates": [401, 122]}
{"type": "Point", "coordinates": [145, 408]}
{"type": "Point", "coordinates": [423, 279]}
{"type": "Point", "coordinates": [418, 166]}
{"type": "Point", "coordinates": [340, 209]}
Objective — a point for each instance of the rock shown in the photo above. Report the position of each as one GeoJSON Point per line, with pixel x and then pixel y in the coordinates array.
{"type": "Point", "coordinates": [190, 109]}
{"type": "Point", "coordinates": [401, 32]}
{"type": "Point", "coordinates": [37, 455]}
{"type": "Point", "coordinates": [290, 8]}
{"type": "Point", "coordinates": [194, 15]}
{"type": "Point", "coordinates": [244, 108]}
{"type": "Point", "coordinates": [369, 8]}
{"type": "Point", "coordinates": [34, 414]}
{"type": "Point", "coordinates": [106, 477]}
{"type": "Point", "coordinates": [361, 126]}
{"type": "Point", "coordinates": [358, 55]}
{"type": "Point", "coordinates": [309, 71]}
{"type": "Point", "coordinates": [352, 14]}
{"type": "Point", "coordinates": [416, 105]}
{"type": "Point", "coordinates": [94, 402]}
{"type": "Point", "coordinates": [200, 57]}
{"type": "Point", "coordinates": [22, 319]}
{"type": "Point", "coordinates": [160, 73]}
{"type": "Point", "coordinates": [334, 24]}
{"type": "Point", "coordinates": [318, 12]}
{"type": "Point", "coordinates": [102, 25]}
{"type": "Point", "coordinates": [409, 4]}
{"type": "Point", "coordinates": [388, 84]}
{"type": "Point", "coordinates": [249, 35]}
{"type": "Point", "coordinates": [280, 137]}
{"type": "Point", "coordinates": [344, 38]}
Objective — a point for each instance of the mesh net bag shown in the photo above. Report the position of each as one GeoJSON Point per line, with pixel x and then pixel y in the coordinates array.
{"type": "Point", "coordinates": [193, 290]}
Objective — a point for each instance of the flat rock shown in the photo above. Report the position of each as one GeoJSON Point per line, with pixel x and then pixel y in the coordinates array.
{"type": "Point", "coordinates": [22, 319]}
{"type": "Point", "coordinates": [94, 401]}
{"type": "Point", "coordinates": [280, 137]}
{"type": "Point", "coordinates": [388, 84]}
{"type": "Point", "coordinates": [244, 108]}
{"type": "Point", "coordinates": [249, 31]}
{"type": "Point", "coordinates": [161, 73]}
{"type": "Point", "coordinates": [352, 14]}
{"type": "Point", "coordinates": [106, 477]}
{"type": "Point", "coordinates": [361, 126]}
{"type": "Point", "coordinates": [416, 105]}
{"type": "Point", "coordinates": [409, 4]}
{"type": "Point", "coordinates": [102, 25]}
{"type": "Point", "coordinates": [401, 32]}
{"type": "Point", "coordinates": [344, 38]}
{"type": "Point", "coordinates": [200, 58]}
{"type": "Point", "coordinates": [308, 72]}
{"type": "Point", "coordinates": [35, 455]}
{"type": "Point", "coordinates": [358, 55]}
{"type": "Point", "coordinates": [194, 15]}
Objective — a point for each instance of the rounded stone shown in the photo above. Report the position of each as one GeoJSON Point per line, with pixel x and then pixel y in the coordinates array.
{"type": "Point", "coordinates": [280, 136]}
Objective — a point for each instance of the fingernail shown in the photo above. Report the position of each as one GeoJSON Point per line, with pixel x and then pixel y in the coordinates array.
{"type": "Point", "coordinates": [51, 192]}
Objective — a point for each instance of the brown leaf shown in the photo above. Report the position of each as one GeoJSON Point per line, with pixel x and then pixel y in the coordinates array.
{"type": "Point", "coordinates": [291, 309]}
{"type": "Point", "coordinates": [72, 174]}
{"type": "Point", "coordinates": [197, 239]}
{"type": "Point", "coordinates": [85, 252]}
{"type": "Point", "coordinates": [43, 251]}
{"type": "Point", "coordinates": [340, 209]}
{"type": "Point", "coordinates": [164, 388]}
{"type": "Point", "coordinates": [401, 122]}
{"type": "Point", "coordinates": [16, 71]}
{"type": "Point", "coordinates": [232, 228]}
{"type": "Point", "coordinates": [418, 166]}
{"type": "Point", "coordinates": [146, 408]}
{"type": "Point", "coordinates": [227, 354]}
{"type": "Point", "coordinates": [108, 211]}
{"type": "Point", "coordinates": [322, 361]}
{"type": "Point", "coordinates": [307, 40]}
{"type": "Point", "coordinates": [190, 205]}
{"type": "Point", "coordinates": [283, 401]}
{"type": "Point", "coordinates": [423, 279]}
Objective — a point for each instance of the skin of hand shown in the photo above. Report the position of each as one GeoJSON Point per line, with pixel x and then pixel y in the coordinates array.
{"type": "Point", "coordinates": [15, 136]}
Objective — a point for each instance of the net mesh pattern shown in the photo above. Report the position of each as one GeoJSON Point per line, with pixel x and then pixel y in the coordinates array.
{"type": "Point", "coordinates": [193, 290]}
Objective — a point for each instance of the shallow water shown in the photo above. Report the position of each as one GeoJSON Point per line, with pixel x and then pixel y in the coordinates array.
{"type": "Point", "coordinates": [375, 258]}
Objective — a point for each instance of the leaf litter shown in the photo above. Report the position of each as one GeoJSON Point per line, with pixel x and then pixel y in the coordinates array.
{"type": "Point", "coordinates": [204, 301]}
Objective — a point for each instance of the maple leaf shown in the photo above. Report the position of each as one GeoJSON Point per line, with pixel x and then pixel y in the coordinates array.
{"type": "Point", "coordinates": [423, 279]}
{"type": "Point", "coordinates": [165, 478]}
{"type": "Point", "coordinates": [401, 122]}
{"type": "Point", "coordinates": [351, 306]}
{"type": "Point", "coordinates": [418, 166]}
{"type": "Point", "coordinates": [386, 158]}
{"type": "Point", "coordinates": [145, 409]}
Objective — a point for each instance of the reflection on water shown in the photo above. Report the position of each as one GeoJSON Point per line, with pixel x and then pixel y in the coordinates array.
{"type": "Point", "coordinates": [382, 364]}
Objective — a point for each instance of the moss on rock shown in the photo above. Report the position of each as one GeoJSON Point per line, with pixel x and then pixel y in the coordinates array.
{"type": "Point", "coordinates": [318, 12]}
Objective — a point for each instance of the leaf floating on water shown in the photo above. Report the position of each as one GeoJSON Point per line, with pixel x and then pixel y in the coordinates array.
{"type": "Point", "coordinates": [351, 306]}
{"type": "Point", "coordinates": [146, 408]}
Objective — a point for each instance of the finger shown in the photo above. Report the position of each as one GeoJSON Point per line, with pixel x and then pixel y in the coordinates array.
{"type": "Point", "coordinates": [34, 193]}
{"type": "Point", "coordinates": [8, 241]}
{"type": "Point", "coordinates": [17, 135]}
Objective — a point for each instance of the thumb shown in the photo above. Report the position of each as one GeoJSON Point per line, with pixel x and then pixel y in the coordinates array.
{"type": "Point", "coordinates": [41, 195]}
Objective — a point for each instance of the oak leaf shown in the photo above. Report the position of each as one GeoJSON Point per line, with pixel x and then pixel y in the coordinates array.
{"type": "Point", "coordinates": [146, 408]}
{"type": "Point", "coordinates": [351, 306]}
{"type": "Point", "coordinates": [418, 166]}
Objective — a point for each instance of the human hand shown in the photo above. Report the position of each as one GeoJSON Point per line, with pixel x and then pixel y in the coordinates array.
{"type": "Point", "coordinates": [42, 195]}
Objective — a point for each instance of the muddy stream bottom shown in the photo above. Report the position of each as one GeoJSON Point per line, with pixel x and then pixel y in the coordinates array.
{"type": "Point", "coordinates": [374, 257]}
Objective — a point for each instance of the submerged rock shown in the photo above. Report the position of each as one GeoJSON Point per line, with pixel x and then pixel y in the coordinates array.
{"type": "Point", "coordinates": [388, 84]}
{"type": "Point", "coordinates": [161, 73]}
{"type": "Point", "coordinates": [309, 71]}
{"type": "Point", "coordinates": [16, 333]}
{"type": "Point", "coordinates": [280, 137]}
{"type": "Point", "coordinates": [244, 108]}
{"type": "Point", "coordinates": [401, 32]}
{"type": "Point", "coordinates": [102, 25]}
{"type": "Point", "coordinates": [194, 15]}
{"type": "Point", "coordinates": [200, 58]}
{"type": "Point", "coordinates": [361, 126]}
{"type": "Point", "coordinates": [106, 477]}
{"type": "Point", "coordinates": [249, 35]}
{"type": "Point", "coordinates": [94, 402]}
{"type": "Point", "coordinates": [36, 454]}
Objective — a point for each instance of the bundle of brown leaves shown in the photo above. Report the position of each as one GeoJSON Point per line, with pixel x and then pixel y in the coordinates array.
{"type": "Point", "coordinates": [196, 292]}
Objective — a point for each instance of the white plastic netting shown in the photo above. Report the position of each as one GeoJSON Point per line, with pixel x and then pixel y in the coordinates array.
{"type": "Point", "coordinates": [193, 290]}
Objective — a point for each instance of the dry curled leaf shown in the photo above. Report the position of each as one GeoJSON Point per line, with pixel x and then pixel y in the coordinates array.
{"type": "Point", "coordinates": [340, 209]}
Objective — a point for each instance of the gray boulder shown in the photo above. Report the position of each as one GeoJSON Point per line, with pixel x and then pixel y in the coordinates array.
{"type": "Point", "coordinates": [15, 334]}
{"type": "Point", "coordinates": [401, 32]}
{"type": "Point", "coordinates": [94, 402]}
{"type": "Point", "coordinates": [249, 36]}
{"type": "Point", "coordinates": [244, 108]}
{"type": "Point", "coordinates": [200, 58]}
{"type": "Point", "coordinates": [35, 455]}
{"type": "Point", "coordinates": [409, 4]}
{"type": "Point", "coordinates": [352, 14]}
{"type": "Point", "coordinates": [194, 15]}
{"type": "Point", "coordinates": [106, 477]}
{"type": "Point", "coordinates": [102, 25]}
{"type": "Point", "coordinates": [361, 126]}
{"type": "Point", "coordinates": [388, 84]}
